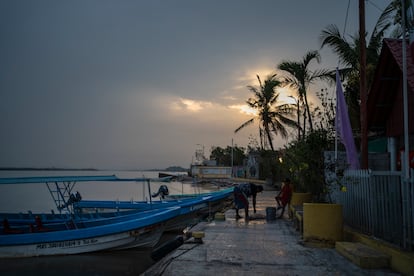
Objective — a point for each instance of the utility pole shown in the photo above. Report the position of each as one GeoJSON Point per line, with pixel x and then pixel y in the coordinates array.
{"type": "Point", "coordinates": [232, 158]}
{"type": "Point", "coordinates": [363, 87]}
{"type": "Point", "coordinates": [405, 97]}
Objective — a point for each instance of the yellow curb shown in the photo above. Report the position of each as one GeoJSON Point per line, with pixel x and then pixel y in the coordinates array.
{"type": "Point", "coordinates": [363, 255]}
{"type": "Point", "coordinates": [402, 262]}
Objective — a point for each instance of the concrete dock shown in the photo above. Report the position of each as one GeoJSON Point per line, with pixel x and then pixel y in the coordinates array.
{"type": "Point", "coordinates": [255, 247]}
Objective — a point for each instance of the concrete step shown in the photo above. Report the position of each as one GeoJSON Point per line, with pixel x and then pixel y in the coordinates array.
{"type": "Point", "coordinates": [363, 255]}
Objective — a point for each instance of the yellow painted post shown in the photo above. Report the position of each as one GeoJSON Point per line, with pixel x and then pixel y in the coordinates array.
{"type": "Point", "coordinates": [322, 223]}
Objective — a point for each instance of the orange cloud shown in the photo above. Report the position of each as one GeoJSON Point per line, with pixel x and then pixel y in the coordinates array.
{"type": "Point", "coordinates": [243, 108]}
{"type": "Point", "coordinates": [190, 105]}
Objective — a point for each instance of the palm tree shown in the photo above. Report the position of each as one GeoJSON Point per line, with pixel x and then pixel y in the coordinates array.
{"type": "Point", "coordinates": [300, 77]}
{"type": "Point", "coordinates": [348, 54]}
{"type": "Point", "coordinates": [396, 5]}
{"type": "Point", "coordinates": [273, 117]}
{"type": "Point", "coordinates": [298, 108]}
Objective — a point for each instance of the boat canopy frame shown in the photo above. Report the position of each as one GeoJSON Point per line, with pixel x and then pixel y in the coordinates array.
{"type": "Point", "coordinates": [61, 187]}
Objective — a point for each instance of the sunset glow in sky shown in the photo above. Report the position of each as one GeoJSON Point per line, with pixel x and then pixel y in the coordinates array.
{"type": "Point", "coordinates": [138, 84]}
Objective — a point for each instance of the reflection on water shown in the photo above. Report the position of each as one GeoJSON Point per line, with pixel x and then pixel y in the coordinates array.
{"type": "Point", "coordinates": [106, 263]}
{"type": "Point", "coordinates": [125, 262]}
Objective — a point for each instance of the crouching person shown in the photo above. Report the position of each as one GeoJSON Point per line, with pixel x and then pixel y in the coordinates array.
{"type": "Point", "coordinates": [242, 192]}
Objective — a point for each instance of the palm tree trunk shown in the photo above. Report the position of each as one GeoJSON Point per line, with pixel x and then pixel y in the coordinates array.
{"type": "Point", "coordinates": [308, 111]}
{"type": "Point", "coordinates": [261, 138]}
{"type": "Point", "coordinates": [269, 137]}
{"type": "Point", "coordinates": [304, 124]}
{"type": "Point", "coordinates": [298, 114]}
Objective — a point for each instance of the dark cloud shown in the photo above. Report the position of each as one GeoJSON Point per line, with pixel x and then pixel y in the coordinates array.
{"type": "Point", "coordinates": [92, 83]}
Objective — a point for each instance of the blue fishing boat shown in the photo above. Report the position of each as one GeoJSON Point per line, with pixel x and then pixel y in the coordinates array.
{"type": "Point", "coordinates": [192, 207]}
{"type": "Point", "coordinates": [172, 200]}
{"type": "Point", "coordinates": [69, 233]}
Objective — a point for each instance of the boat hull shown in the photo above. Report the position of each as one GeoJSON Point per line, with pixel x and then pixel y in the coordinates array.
{"type": "Point", "coordinates": [193, 208]}
{"type": "Point", "coordinates": [67, 247]}
{"type": "Point", "coordinates": [142, 230]}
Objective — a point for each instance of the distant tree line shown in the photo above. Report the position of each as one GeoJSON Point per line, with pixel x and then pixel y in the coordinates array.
{"type": "Point", "coordinates": [223, 156]}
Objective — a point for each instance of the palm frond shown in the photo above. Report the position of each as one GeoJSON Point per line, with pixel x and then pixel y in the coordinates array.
{"type": "Point", "coordinates": [345, 51]}
{"type": "Point", "coordinates": [245, 124]}
{"type": "Point", "coordinates": [285, 109]}
{"type": "Point", "coordinates": [279, 128]}
{"type": "Point", "coordinates": [260, 81]}
{"type": "Point", "coordinates": [311, 55]}
{"type": "Point", "coordinates": [384, 21]}
{"type": "Point", "coordinates": [322, 74]}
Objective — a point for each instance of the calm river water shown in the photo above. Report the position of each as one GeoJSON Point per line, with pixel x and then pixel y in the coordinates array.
{"type": "Point", "coordinates": [36, 198]}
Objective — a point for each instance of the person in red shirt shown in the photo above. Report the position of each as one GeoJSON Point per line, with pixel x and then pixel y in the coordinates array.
{"type": "Point", "coordinates": [284, 196]}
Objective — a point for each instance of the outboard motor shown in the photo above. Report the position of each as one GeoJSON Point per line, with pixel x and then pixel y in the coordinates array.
{"type": "Point", "coordinates": [162, 192]}
{"type": "Point", "coordinates": [78, 196]}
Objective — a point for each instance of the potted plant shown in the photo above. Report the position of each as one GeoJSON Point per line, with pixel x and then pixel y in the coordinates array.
{"type": "Point", "coordinates": [303, 162]}
{"type": "Point", "coordinates": [322, 219]}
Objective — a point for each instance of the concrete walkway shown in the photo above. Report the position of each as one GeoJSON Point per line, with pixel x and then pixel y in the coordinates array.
{"type": "Point", "coordinates": [256, 247]}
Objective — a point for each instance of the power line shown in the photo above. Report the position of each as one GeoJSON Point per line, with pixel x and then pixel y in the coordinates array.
{"type": "Point", "coordinates": [346, 17]}
{"type": "Point", "coordinates": [374, 5]}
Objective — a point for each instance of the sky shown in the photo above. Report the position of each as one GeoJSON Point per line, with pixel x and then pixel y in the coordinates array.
{"type": "Point", "coordinates": [143, 84]}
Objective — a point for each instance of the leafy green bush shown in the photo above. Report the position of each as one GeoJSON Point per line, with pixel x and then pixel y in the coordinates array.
{"type": "Point", "coordinates": [303, 162]}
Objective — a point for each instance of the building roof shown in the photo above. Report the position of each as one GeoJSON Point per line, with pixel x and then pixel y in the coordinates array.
{"type": "Point", "coordinates": [385, 98]}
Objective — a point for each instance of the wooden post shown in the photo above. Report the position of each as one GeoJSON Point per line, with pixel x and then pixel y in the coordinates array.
{"type": "Point", "coordinates": [363, 87]}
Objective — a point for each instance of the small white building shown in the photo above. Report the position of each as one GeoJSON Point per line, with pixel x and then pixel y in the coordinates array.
{"type": "Point", "coordinates": [210, 171]}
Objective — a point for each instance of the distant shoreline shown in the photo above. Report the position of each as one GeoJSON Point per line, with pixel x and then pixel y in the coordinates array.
{"type": "Point", "coordinates": [44, 169]}
{"type": "Point", "coordinates": [169, 169]}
